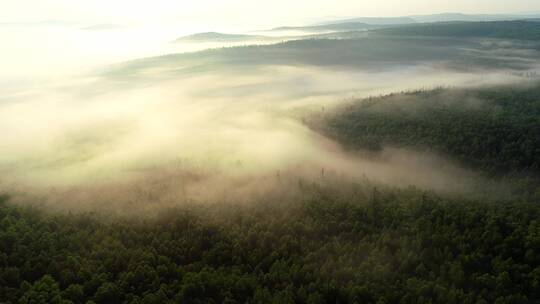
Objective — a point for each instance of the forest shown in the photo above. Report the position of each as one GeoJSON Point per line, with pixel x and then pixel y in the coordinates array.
{"type": "Point", "coordinates": [363, 245]}
{"type": "Point", "coordinates": [262, 173]}
{"type": "Point", "coordinates": [339, 242]}
{"type": "Point", "coordinates": [494, 129]}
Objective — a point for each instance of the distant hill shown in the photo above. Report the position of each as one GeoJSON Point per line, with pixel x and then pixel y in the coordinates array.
{"type": "Point", "coordinates": [345, 26]}
{"type": "Point", "coordinates": [374, 20]}
{"type": "Point", "coordinates": [521, 30]}
{"type": "Point", "coordinates": [446, 17]}
{"type": "Point", "coordinates": [218, 37]}
{"type": "Point", "coordinates": [367, 50]}
{"type": "Point", "coordinates": [369, 23]}
{"type": "Point", "coordinates": [443, 17]}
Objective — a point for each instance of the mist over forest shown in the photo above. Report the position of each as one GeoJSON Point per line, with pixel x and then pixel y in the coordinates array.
{"type": "Point", "coordinates": [359, 160]}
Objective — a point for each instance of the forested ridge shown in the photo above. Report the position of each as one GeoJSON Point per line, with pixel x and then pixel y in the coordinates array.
{"type": "Point", "coordinates": [495, 129]}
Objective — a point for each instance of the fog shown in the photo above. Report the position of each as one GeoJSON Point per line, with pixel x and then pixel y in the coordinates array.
{"type": "Point", "coordinates": [110, 135]}
{"type": "Point", "coordinates": [45, 51]}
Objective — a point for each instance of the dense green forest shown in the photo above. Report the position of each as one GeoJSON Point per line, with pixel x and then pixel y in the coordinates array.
{"type": "Point", "coordinates": [495, 129]}
{"type": "Point", "coordinates": [339, 241]}
{"type": "Point", "coordinates": [341, 244]}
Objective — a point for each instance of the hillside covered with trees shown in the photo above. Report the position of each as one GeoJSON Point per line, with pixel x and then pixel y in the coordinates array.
{"type": "Point", "coordinates": [494, 129]}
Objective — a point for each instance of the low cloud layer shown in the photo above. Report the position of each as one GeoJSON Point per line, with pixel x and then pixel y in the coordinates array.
{"type": "Point", "coordinates": [203, 136]}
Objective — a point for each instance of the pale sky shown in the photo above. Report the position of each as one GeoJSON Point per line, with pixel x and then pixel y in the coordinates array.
{"type": "Point", "coordinates": [241, 12]}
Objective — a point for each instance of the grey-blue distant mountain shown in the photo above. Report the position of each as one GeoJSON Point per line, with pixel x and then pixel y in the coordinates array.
{"type": "Point", "coordinates": [443, 17]}
{"type": "Point", "coordinates": [369, 23]}
{"type": "Point", "coordinates": [374, 20]}
{"type": "Point", "coordinates": [340, 26]}
{"type": "Point", "coordinates": [447, 17]}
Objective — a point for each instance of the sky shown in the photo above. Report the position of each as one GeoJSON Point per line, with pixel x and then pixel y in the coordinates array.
{"type": "Point", "coordinates": [240, 12]}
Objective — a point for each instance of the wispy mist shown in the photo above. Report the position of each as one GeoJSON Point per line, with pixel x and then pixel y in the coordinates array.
{"type": "Point", "coordinates": [190, 124]}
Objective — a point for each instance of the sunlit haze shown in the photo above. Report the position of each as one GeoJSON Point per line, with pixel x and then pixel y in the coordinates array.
{"type": "Point", "coordinates": [241, 13]}
{"type": "Point", "coordinates": [45, 37]}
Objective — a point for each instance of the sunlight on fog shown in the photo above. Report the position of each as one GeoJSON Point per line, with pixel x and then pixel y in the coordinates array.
{"type": "Point", "coordinates": [236, 123]}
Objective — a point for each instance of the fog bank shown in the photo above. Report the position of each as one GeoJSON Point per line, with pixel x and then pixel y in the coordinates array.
{"type": "Point", "coordinates": [194, 136]}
